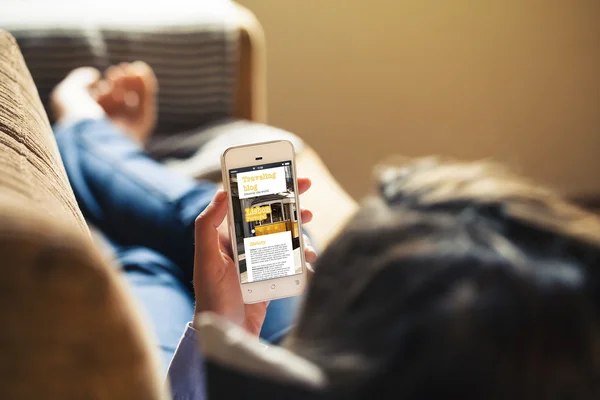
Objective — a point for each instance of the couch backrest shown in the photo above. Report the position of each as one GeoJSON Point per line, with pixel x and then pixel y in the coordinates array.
{"type": "Point", "coordinates": [69, 328]}
{"type": "Point", "coordinates": [190, 45]}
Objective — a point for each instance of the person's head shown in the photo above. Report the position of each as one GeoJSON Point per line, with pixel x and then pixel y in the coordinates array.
{"type": "Point", "coordinates": [458, 281]}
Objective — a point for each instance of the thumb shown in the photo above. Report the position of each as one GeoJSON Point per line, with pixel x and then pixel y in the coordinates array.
{"type": "Point", "coordinates": [206, 233]}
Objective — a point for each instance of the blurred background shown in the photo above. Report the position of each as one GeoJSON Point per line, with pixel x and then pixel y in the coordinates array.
{"type": "Point", "coordinates": [515, 80]}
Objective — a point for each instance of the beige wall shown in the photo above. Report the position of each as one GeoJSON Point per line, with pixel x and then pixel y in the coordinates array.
{"type": "Point", "coordinates": [515, 80]}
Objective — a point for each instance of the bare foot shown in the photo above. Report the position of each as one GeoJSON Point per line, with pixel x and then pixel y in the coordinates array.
{"type": "Point", "coordinates": [127, 94]}
{"type": "Point", "coordinates": [71, 100]}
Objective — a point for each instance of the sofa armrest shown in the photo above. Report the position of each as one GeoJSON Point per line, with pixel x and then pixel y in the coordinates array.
{"type": "Point", "coordinates": [70, 328]}
{"type": "Point", "coordinates": [30, 165]}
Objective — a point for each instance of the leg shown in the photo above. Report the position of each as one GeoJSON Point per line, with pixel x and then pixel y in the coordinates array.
{"type": "Point", "coordinates": [145, 209]}
{"type": "Point", "coordinates": [281, 315]}
{"type": "Point", "coordinates": [131, 198]}
{"type": "Point", "coordinates": [165, 300]}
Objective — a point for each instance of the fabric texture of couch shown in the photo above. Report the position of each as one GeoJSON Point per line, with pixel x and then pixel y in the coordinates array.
{"type": "Point", "coordinates": [31, 168]}
{"type": "Point", "coordinates": [70, 329]}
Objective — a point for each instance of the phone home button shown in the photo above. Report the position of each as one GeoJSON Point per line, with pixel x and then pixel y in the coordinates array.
{"type": "Point", "coordinates": [272, 286]}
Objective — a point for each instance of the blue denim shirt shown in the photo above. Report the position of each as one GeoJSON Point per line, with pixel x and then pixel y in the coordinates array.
{"type": "Point", "coordinates": [186, 372]}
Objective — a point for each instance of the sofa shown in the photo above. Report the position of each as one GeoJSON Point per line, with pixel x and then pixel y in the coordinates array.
{"type": "Point", "coordinates": [71, 329]}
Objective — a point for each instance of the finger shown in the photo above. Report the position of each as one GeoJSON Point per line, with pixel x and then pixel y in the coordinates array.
{"type": "Point", "coordinates": [303, 185]}
{"type": "Point", "coordinates": [100, 88]}
{"type": "Point", "coordinates": [118, 94]}
{"type": "Point", "coordinates": [103, 95]}
{"type": "Point", "coordinates": [206, 233]}
{"type": "Point", "coordinates": [112, 73]}
{"type": "Point", "coordinates": [307, 216]}
{"type": "Point", "coordinates": [122, 67]}
{"type": "Point", "coordinates": [214, 214]}
{"type": "Point", "coordinates": [310, 255]}
{"type": "Point", "coordinates": [145, 70]}
{"type": "Point", "coordinates": [224, 239]}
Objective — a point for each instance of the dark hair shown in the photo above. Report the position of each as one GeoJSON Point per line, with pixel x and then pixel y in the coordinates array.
{"type": "Point", "coordinates": [459, 281]}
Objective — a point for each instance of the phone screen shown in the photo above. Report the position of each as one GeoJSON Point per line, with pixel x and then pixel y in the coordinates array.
{"type": "Point", "coordinates": [265, 218]}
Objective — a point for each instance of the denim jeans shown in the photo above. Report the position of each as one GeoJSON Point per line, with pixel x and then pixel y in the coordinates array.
{"type": "Point", "coordinates": [147, 213]}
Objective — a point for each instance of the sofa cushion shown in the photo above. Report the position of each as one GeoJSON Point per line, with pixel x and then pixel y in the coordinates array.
{"type": "Point", "coordinates": [198, 153]}
{"type": "Point", "coordinates": [31, 170]}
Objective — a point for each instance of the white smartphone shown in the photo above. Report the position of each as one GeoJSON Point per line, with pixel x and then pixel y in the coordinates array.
{"type": "Point", "coordinates": [264, 218]}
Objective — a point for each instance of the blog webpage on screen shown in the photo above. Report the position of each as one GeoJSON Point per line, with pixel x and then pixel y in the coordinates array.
{"type": "Point", "coordinates": [266, 221]}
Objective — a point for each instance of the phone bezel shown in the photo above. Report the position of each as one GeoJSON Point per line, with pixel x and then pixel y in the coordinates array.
{"type": "Point", "coordinates": [245, 156]}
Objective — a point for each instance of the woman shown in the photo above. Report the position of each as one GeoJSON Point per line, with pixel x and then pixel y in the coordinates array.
{"type": "Point", "coordinates": [144, 212]}
{"type": "Point", "coordinates": [459, 280]}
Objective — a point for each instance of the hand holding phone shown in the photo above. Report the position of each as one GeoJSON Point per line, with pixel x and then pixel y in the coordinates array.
{"type": "Point", "coordinates": [216, 276]}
